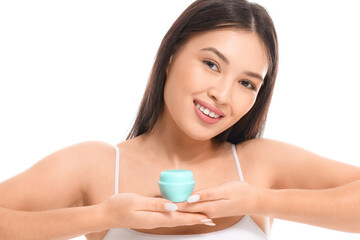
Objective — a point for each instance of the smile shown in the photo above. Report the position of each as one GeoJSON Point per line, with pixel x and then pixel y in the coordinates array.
{"type": "Point", "coordinates": [202, 110]}
{"type": "Point", "coordinates": [207, 111]}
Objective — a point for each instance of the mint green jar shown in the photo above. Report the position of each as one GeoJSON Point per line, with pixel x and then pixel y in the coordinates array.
{"type": "Point", "coordinates": [176, 185]}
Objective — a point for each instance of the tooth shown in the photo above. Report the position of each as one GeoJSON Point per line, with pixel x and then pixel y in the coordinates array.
{"type": "Point", "coordinates": [212, 114]}
{"type": "Point", "coordinates": [216, 115]}
{"type": "Point", "coordinates": [198, 105]}
{"type": "Point", "coordinates": [206, 111]}
{"type": "Point", "coordinates": [201, 108]}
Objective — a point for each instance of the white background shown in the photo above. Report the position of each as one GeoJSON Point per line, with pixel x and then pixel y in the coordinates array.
{"type": "Point", "coordinates": [72, 71]}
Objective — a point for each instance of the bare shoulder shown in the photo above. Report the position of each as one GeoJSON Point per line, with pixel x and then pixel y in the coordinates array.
{"type": "Point", "coordinates": [55, 181]}
{"type": "Point", "coordinates": [84, 156]}
{"type": "Point", "coordinates": [255, 156]}
{"type": "Point", "coordinates": [270, 151]}
{"type": "Point", "coordinates": [265, 148]}
{"type": "Point", "coordinates": [97, 160]}
{"type": "Point", "coordinates": [262, 142]}
{"type": "Point", "coordinates": [292, 166]}
{"type": "Point", "coordinates": [100, 172]}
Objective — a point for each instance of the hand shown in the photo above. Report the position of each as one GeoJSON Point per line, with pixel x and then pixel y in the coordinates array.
{"type": "Point", "coordinates": [130, 210]}
{"type": "Point", "coordinates": [229, 199]}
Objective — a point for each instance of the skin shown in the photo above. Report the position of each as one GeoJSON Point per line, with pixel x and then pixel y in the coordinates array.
{"type": "Point", "coordinates": [223, 85]}
{"type": "Point", "coordinates": [179, 135]}
{"type": "Point", "coordinates": [180, 139]}
{"type": "Point", "coordinates": [282, 180]}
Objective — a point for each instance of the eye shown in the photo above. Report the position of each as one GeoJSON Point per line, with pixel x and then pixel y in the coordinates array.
{"type": "Point", "coordinates": [211, 65]}
{"type": "Point", "coordinates": [247, 84]}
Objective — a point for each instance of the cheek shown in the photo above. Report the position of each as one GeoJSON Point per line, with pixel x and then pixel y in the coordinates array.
{"type": "Point", "coordinates": [171, 93]}
{"type": "Point", "coordinates": [189, 76]}
{"type": "Point", "coordinates": [182, 82]}
{"type": "Point", "coordinates": [244, 103]}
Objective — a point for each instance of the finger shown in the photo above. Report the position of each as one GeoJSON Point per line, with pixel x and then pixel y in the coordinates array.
{"type": "Point", "coordinates": [206, 207]}
{"type": "Point", "coordinates": [173, 219]}
{"type": "Point", "coordinates": [190, 207]}
{"type": "Point", "coordinates": [156, 204]}
{"type": "Point", "coordinates": [207, 195]}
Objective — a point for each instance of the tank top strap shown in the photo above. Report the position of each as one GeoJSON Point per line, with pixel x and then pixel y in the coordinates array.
{"type": "Point", "coordinates": [233, 147]}
{"type": "Point", "coordinates": [117, 168]}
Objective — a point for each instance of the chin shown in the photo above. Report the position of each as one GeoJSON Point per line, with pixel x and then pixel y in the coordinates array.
{"type": "Point", "coordinates": [201, 137]}
{"type": "Point", "coordinates": [199, 133]}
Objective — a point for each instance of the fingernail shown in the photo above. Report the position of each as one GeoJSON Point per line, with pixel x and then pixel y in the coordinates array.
{"type": "Point", "coordinates": [205, 220]}
{"type": "Point", "coordinates": [210, 224]}
{"type": "Point", "coordinates": [170, 207]}
{"type": "Point", "coordinates": [193, 198]}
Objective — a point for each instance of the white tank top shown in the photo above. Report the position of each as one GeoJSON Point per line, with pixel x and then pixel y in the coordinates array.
{"type": "Point", "coordinates": [245, 229]}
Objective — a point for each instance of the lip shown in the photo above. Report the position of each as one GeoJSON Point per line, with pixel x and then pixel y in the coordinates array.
{"type": "Point", "coordinates": [211, 108]}
{"type": "Point", "coordinates": [205, 118]}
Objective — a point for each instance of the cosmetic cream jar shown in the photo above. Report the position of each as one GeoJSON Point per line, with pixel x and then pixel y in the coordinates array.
{"type": "Point", "coordinates": [176, 185]}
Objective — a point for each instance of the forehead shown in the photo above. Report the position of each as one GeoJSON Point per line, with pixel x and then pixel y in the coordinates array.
{"type": "Point", "coordinates": [242, 48]}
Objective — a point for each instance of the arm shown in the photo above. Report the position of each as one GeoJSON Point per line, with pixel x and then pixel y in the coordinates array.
{"type": "Point", "coordinates": [59, 181]}
{"type": "Point", "coordinates": [47, 201]}
{"type": "Point", "coordinates": [51, 224]}
{"type": "Point", "coordinates": [309, 188]}
{"type": "Point", "coordinates": [292, 167]}
{"type": "Point", "coordinates": [56, 181]}
{"type": "Point", "coordinates": [299, 186]}
{"type": "Point", "coordinates": [335, 208]}
{"type": "Point", "coordinates": [306, 187]}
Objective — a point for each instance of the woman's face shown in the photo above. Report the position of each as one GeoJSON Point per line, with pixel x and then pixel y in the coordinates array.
{"type": "Point", "coordinates": [213, 80]}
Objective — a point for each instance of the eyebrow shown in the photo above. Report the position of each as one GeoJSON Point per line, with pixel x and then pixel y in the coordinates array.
{"type": "Point", "coordinates": [222, 57]}
{"type": "Point", "coordinates": [255, 75]}
{"type": "Point", "coordinates": [217, 52]}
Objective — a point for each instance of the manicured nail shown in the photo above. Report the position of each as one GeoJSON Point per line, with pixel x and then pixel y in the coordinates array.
{"type": "Point", "coordinates": [193, 198]}
{"type": "Point", "coordinates": [205, 220]}
{"type": "Point", "coordinates": [170, 207]}
{"type": "Point", "coordinates": [210, 224]}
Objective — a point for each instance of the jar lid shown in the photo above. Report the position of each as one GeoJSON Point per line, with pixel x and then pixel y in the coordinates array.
{"type": "Point", "coordinates": [176, 176]}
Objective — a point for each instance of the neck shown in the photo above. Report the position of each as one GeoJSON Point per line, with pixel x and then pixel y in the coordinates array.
{"type": "Point", "coordinates": [174, 148]}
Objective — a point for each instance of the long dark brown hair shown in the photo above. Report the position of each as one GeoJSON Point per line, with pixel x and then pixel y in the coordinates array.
{"type": "Point", "coordinates": [199, 17]}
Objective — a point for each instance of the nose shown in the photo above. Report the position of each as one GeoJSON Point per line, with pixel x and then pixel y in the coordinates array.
{"type": "Point", "coordinates": [221, 92]}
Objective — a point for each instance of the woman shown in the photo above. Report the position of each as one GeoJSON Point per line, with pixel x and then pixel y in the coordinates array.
{"type": "Point", "coordinates": [210, 88]}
